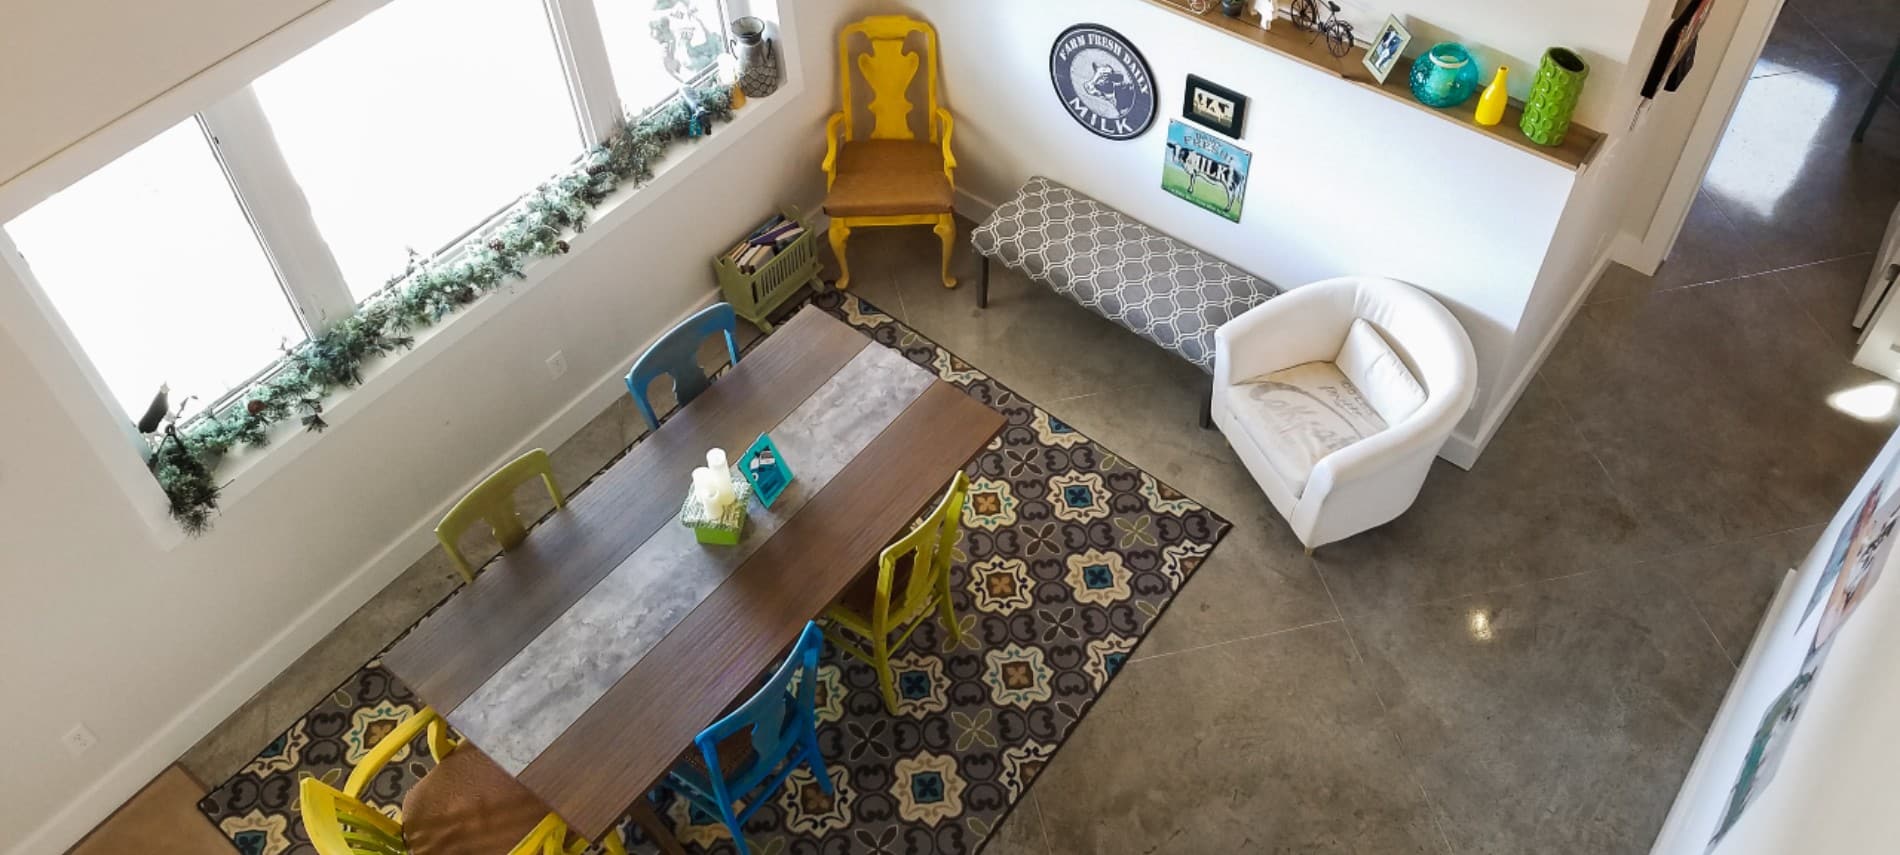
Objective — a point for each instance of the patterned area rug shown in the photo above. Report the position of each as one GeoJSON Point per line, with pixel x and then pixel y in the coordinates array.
{"type": "Point", "coordinates": [1068, 555]}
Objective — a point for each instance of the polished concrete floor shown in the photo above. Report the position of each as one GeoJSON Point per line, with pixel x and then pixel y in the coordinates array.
{"type": "Point", "coordinates": [1527, 660]}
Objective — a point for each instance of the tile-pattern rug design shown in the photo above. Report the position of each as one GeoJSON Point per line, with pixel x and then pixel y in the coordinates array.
{"type": "Point", "coordinates": [1068, 555]}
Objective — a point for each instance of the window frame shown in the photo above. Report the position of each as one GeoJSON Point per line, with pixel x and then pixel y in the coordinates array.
{"type": "Point", "coordinates": [220, 97]}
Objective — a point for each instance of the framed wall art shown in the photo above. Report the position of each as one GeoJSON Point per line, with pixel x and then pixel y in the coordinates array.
{"type": "Point", "coordinates": [1104, 82]}
{"type": "Point", "coordinates": [1206, 170]}
{"type": "Point", "coordinates": [1214, 106]}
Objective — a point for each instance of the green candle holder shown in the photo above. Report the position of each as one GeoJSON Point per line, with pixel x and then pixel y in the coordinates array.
{"type": "Point", "coordinates": [722, 529]}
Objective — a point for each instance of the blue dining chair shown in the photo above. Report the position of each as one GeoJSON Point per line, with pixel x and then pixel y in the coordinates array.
{"type": "Point", "coordinates": [784, 736]}
{"type": "Point", "coordinates": [676, 354]}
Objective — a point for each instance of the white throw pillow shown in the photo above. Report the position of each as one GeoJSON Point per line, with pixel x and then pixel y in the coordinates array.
{"type": "Point", "coordinates": [1374, 367]}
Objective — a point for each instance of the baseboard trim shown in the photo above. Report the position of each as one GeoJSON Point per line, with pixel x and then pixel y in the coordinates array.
{"type": "Point", "coordinates": [1463, 449]}
{"type": "Point", "coordinates": [973, 206]}
{"type": "Point", "coordinates": [146, 761]}
{"type": "Point", "coordinates": [1633, 252]}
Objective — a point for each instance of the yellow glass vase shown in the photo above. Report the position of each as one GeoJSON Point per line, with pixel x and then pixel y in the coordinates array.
{"type": "Point", "coordinates": [1496, 97]}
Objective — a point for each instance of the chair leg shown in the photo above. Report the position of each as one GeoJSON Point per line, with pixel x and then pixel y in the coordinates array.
{"type": "Point", "coordinates": [983, 286]}
{"type": "Point", "coordinates": [1207, 407]}
{"type": "Point", "coordinates": [947, 232]}
{"type": "Point", "coordinates": [947, 612]}
{"type": "Point", "coordinates": [738, 831]}
{"type": "Point", "coordinates": [840, 233]}
{"type": "Point", "coordinates": [818, 769]}
{"type": "Point", "coordinates": [650, 823]}
{"type": "Point", "coordinates": [886, 681]}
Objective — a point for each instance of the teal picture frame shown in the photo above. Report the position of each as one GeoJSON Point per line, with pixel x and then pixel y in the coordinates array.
{"type": "Point", "coordinates": [764, 467]}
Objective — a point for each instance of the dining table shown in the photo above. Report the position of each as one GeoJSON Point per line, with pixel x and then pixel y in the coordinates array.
{"type": "Point", "coordinates": [585, 660]}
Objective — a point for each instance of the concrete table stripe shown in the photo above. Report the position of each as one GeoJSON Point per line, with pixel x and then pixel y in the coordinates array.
{"type": "Point", "coordinates": [534, 698]}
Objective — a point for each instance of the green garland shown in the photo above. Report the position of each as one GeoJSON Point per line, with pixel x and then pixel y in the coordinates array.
{"type": "Point", "coordinates": [429, 290]}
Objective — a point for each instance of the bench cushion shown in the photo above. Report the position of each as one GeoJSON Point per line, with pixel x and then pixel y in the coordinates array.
{"type": "Point", "coordinates": [1121, 268]}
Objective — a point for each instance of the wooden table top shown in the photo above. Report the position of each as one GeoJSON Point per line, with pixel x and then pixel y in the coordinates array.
{"type": "Point", "coordinates": [586, 660]}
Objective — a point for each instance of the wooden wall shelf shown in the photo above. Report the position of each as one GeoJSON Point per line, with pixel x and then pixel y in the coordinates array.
{"type": "Point", "coordinates": [1580, 144]}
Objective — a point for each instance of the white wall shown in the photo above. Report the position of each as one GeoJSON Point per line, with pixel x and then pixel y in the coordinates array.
{"type": "Point", "coordinates": [1829, 787]}
{"type": "Point", "coordinates": [1592, 223]}
{"type": "Point", "coordinates": [68, 67]}
{"type": "Point", "coordinates": [1344, 180]}
{"type": "Point", "coordinates": [150, 642]}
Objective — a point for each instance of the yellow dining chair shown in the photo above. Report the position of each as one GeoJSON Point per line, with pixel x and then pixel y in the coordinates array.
{"type": "Point", "coordinates": [912, 580]}
{"type": "Point", "coordinates": [467, 804]}
{"type": "Point", "coordinates": [493, 501]}
{"type": "Point", "coordinates": [890, 177]}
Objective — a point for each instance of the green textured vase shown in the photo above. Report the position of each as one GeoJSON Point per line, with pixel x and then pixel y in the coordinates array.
{"type": "Point", "coordinates": [1553, 96]}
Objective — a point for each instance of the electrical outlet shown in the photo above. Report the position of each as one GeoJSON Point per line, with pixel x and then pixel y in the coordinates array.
{"type": "Point", "coordinates": [79, 740]}
{"type": "Point", "coordinates": [557, 365]}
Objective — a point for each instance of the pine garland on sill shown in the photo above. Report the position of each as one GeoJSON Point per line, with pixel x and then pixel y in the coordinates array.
{"type": "Point", "coordinates": [187, 457]}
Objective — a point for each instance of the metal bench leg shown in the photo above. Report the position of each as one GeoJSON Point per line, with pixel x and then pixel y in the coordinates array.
{"type": "Point", "coordinates": [1207, 407]}
{"type": "Point", "coordinates": [983, 286]}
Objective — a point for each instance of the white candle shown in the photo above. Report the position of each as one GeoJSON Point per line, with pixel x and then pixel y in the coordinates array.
{"type": "Point", "coordinates": [706, 488]}
{"type": "Point", "coordinates": [716, 462]}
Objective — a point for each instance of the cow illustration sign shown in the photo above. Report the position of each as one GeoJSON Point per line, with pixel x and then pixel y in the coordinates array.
{"type": "Point", "coordinates": [1206, 170]}
{"type": "Point", "coordinates": [1103, 81]}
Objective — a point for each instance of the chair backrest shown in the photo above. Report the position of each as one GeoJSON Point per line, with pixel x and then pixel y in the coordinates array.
{"type": "Point", "coordinates": [493, 501]}
{"type": "Point", "coordinates": [339, 824]}
{"type": "Point", "coordinates": [676, 355]}
{"type": "Point", "coordinates": [924, 555]}
{"type": "Point", "coordinates": [888, 68]}
{"type": "Point", "coordinates": [777, 717]}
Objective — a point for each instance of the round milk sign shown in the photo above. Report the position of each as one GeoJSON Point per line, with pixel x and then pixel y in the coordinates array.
{"type": "Point", "coordinates": [1103, 82]}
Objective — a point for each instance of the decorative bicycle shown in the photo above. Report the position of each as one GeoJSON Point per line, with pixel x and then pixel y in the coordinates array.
{"type": "Point", "coordinates": [1305, 15]}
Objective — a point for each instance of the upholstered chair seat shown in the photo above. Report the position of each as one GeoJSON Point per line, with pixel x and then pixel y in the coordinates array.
{"type": "Point", "coordinates": [886, 178]}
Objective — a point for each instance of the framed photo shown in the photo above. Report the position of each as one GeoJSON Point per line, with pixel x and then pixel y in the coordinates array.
{"type": "Point", "coordinates": [1214, 106]}
{"type": "Point", "coordinates": [1386, 48]}
{"type": "Point", "coordinates": [1206, 170]}
{"type": "Point", "coordinates": [765, 468]}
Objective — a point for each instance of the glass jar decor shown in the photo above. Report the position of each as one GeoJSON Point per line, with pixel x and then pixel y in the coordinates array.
{"type": "Point", "coordinates": [1444, 76]}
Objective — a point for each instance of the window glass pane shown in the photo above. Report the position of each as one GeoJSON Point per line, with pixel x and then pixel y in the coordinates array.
{"type": "Point", "coordinates": [655, 46]}
{"type": "Point", "coordinates": [157, 272]}
{"type": "Point", "coordinates": [418, 123]}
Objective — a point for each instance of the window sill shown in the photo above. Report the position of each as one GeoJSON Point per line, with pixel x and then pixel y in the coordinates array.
{"type": "Point", "coordinates": [245, 470]}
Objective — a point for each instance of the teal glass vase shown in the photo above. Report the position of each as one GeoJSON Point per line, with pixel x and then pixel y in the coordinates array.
{"type": "Point", "coordinates": [1444, 76]}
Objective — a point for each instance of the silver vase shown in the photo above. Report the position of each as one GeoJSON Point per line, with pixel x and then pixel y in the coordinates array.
{"type": "Point", "coordinates": [758, 59]}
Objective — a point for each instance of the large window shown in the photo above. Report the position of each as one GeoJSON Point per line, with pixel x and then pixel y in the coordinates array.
{"type": "Point", "coordinates": [159, 275]}
{"type": "Point", "coordinates": [193, 259]}
{"type": "Point", "coordinates": [657, 47]}
{"type": "Point", "coordinates": [454, 106]}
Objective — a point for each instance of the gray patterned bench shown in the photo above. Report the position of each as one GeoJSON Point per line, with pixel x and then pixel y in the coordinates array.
{"type": "Point", "coordinates": [1118, 267]}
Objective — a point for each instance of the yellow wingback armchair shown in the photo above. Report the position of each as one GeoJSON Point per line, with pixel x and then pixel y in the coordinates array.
{"type": "Point", "coordinates": [889, 177]}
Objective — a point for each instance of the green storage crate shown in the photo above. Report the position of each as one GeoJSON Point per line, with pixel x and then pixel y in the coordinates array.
{"type": "Point", "coordinates": [755, 296]}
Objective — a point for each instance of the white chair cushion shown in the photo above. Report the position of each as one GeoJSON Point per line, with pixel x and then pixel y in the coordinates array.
{"type": "Point", "coordinates": [1298, 415]}
{"type": "Point", "coordinates": [1381, 376]}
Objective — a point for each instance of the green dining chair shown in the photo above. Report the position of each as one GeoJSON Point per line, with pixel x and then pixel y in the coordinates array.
{"type": "Point", "coordinates": [880, 611]}
{"type": "Point", "coordinates": [493, 501]}
{"type": "Point", "coordinates": [676, 355]}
